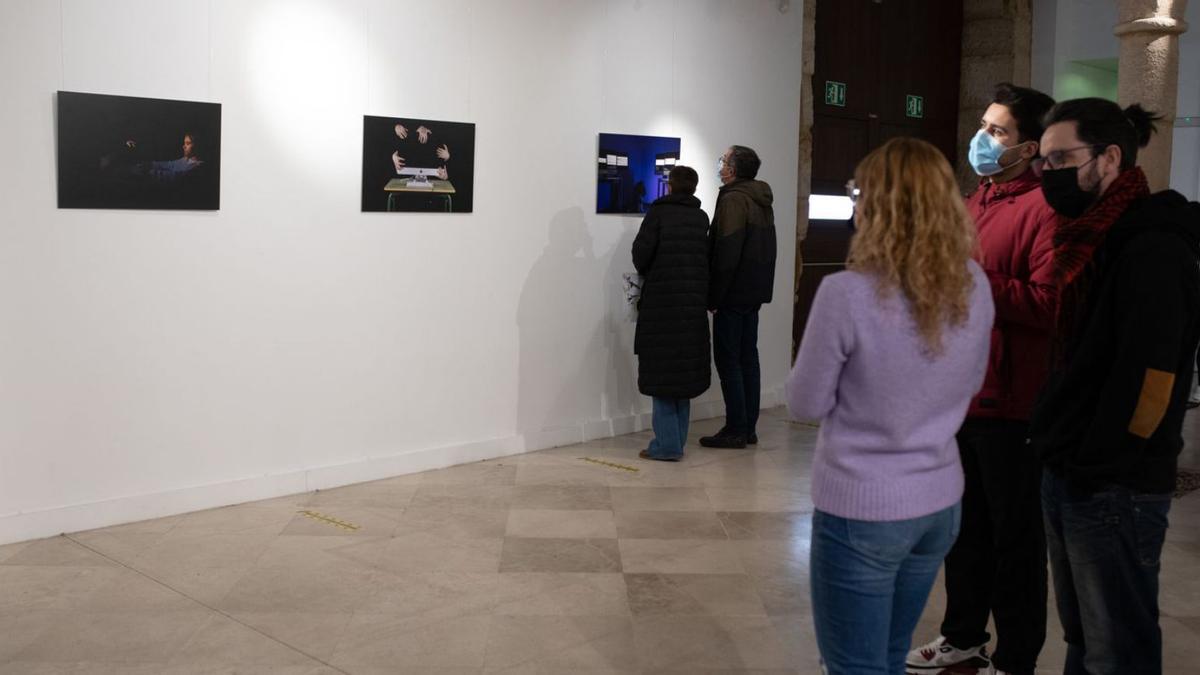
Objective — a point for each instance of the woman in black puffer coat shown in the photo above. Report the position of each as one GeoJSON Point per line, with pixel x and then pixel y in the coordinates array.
{"type": "Point", "coordinates": [672, 338]}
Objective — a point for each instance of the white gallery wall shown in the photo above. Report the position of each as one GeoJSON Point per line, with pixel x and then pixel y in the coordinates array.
{"type": "Point", "coordinates": [1065, 31]}
{"type": "Point", "coordinates": [158, 362]}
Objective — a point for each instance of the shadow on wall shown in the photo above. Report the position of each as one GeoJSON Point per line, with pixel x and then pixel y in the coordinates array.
{"type": "Point", "coordinates": [621, 397]}
{"type": "Point", "coordinates": [575, 367]}
{"type": "Point", "coordinates": [554, 333]}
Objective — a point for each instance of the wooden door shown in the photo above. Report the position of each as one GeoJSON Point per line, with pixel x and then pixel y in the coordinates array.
{"type": "Point", "coordinates": [897, 63]}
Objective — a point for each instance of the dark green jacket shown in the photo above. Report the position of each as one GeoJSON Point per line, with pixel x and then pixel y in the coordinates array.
{"type": "Point", "coordinates": [742, 245]}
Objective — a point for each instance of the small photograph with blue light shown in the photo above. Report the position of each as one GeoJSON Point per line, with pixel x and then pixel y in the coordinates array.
{"type": "Point", "coordinates": [631, 171]}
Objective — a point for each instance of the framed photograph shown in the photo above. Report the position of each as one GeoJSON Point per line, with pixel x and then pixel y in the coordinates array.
{"type": "Point", "coordinates": [631, 171]}
{"type": "Point", "coordinates": [121, 152]}
{"type": "Point", "coordinates": [415, 165]}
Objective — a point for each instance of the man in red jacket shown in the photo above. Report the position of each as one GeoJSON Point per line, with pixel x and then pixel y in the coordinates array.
{"type": "Point", "coordinates": [998, 565]}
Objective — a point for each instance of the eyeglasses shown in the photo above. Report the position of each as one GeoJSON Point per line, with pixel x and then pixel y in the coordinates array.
{"type": "Point", "coordinates": [1058, 158]}
{"type": "Point", "coordinates": [852, 191]}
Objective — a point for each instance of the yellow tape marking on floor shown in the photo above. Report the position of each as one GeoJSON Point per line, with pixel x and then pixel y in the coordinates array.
{"type": "Point", "coordinates": [329, 520]}
{"type": "Point", "coordinates": [610, 464]}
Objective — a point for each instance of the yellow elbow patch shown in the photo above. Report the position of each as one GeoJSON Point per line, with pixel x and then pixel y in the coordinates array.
{"type": "Point", "coordinates": [1153, 402]}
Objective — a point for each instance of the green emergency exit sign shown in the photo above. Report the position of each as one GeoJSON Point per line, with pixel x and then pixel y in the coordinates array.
{"type": "Point", "coordinates": [914, 106]}
{"type": "Point", "coordinates": [835, 93]}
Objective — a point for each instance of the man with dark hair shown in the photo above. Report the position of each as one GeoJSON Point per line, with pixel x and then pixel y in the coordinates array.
{"type": "Point", "coordinates": [671, 341]}
{"type": "Point", "coordinates": [1108, 426]}
{"type": "Point", "coordinates": [997, 567]}
{"type": "Point", "coordinates": [742, 279]}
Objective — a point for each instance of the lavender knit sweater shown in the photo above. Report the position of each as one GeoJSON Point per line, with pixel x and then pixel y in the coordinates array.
{"type": "Point", "coordinates": [888, 412]}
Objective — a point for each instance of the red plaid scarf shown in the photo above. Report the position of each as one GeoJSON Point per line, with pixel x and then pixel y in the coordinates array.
{"type": "Point", "coordinates": [1075, 244]}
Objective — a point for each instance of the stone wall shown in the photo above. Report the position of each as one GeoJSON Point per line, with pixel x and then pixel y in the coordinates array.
{"type": "Point", "coordinates": [996, 46]}
{"type": "Point", "coordinates": [804, 188]}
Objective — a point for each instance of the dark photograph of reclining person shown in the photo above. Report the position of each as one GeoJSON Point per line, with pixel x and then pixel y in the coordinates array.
{"type": "Point", "coordinates": [418, 165]}
{"type": "Point", "coordinates": [121, 152]}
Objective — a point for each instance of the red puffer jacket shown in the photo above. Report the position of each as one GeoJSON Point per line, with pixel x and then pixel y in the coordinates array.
{"type": "Point", "coordinates": [1016, 249]}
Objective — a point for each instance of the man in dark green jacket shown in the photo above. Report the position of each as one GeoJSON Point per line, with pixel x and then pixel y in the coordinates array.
{"type": "Point", "coordinates": [741, 280]}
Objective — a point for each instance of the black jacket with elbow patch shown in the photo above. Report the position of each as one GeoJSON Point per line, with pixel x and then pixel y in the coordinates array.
{"type": "Point", "coordinates": [1112, 411]}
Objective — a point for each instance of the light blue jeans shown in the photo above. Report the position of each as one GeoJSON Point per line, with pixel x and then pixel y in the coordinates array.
{"type": "Point", "coordinates": [670, 422]}
{"type": "Point", "coordinates": [870, 581]}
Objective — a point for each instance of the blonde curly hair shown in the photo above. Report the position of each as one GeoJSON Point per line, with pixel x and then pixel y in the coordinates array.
{"type": "Point", "coordinates": [914, 234]}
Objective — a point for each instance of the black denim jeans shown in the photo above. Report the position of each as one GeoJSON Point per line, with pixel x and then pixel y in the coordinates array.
{"type": "Point", "coordinates": [997, 567]}
{"type": "Point", "coordinates": [1105, 550]}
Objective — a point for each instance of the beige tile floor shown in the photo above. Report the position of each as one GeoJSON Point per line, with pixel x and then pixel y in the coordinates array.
{"type": "Point", "coordinates": [543, 563]}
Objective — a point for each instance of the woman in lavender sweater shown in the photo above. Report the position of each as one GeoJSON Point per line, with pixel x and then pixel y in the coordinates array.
{"type": "Point", "coordinates": [894, 350]}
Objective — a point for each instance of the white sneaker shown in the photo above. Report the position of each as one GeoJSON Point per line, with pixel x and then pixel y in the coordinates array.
{"type": "Point", "coordinates": [938, 655]}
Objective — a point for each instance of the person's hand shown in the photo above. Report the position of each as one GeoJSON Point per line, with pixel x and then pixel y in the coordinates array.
{"type": "Point", "coordinates": [398, 161]}
{"type": "Point", "coordinates": [443, 153]}
{"type": "Point", "coordinates": [401, 131]}
{"type": "Point", "coordinates": [442, 173]}
{"type": "Point", "coordinates": [423, 134]}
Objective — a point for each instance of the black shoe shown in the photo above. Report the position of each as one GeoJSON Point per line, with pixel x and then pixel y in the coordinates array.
{"type": "Point", "coordinates": [723, 440]}
{"type": "Point", "coordinates": [752, 439]}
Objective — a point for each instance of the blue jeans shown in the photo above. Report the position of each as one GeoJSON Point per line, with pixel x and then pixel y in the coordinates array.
{"type": "Point", "coordinates": [1104, 552]}
{"type": "Point", "coordinates": [870, 581]}
{"type": "Point", "coordinates": [670, 422]}
{"type": "Point", "coordinates": [735, 350]}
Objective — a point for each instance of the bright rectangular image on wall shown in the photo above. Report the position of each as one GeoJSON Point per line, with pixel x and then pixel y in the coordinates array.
{"type": "Point", "coordinates": [121, 152]}
{"type": "Point", "coordinates": [418, 165]}
{"type": "Point", "coordinates": [631, 171]}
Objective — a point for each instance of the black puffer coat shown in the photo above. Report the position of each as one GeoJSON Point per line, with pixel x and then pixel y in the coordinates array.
{"type": "Point", "coordinates": [672, 339]}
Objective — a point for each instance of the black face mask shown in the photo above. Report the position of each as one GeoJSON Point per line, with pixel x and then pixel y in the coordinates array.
{"type": "Point", "coordinates": [1062, 191]}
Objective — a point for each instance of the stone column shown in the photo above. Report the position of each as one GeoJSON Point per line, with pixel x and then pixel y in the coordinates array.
{"type": "Point", "coordinates": [1148, 73]}
{"type": "Point", "coordinates": [804, 187]}
{"type": "Point", "coordinates": [997, 41]}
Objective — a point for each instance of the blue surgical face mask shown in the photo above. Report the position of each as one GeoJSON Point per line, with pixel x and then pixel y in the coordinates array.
{"type": "Point", "coordinates": [985, 153]}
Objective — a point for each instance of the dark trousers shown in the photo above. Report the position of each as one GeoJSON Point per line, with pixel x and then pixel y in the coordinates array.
{"type": "Point", "coordinates": [735, 350]}
{"type": "Point", "coordinates": [998, 564]}
{"type": "Point", "coordinates": [1105, 550]}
